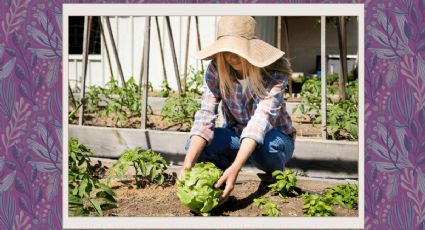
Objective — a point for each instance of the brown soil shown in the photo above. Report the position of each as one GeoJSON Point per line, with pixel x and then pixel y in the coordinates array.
{"type": "Point", "coordinates": [301, 122]}
{"type": "Point", "coordinates": [162, 201]}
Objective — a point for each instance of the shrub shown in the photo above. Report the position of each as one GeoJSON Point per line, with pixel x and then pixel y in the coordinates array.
{"type": "Point", "coordinates": [82, 183]}
{"type": "Point", "coordinates": [197, 190]}
{"type": "Point", "coordinates": [180, 110]}
{"type": "Point", "coordinates": [148, 165]}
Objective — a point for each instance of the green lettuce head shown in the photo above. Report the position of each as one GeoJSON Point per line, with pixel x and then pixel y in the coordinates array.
{"type": "Point", "coordinates": [197, 190]}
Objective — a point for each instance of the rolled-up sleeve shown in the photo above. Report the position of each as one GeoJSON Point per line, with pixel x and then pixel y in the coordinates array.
{"type": "Point", "coordinates": [268, 109]}
{"type": "Point", "coordinates": [205, 118]}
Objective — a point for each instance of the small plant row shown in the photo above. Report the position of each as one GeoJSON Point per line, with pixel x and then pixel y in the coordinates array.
{"type": "Point", "coordinates": [122, 102]}
{"type": "Point", "coordinates": [86, 194]}
{"type": "Point", "coordinates": [314, 204]}
{"type": "Point", "coordinates": [342, 116]}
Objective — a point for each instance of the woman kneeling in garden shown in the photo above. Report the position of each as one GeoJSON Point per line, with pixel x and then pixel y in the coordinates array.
{"type": "Point", "coordinates": [249, 77]}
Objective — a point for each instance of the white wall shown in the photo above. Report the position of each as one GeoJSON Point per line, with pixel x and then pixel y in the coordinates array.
{"type": "Point", "coordinates": [128, 34]}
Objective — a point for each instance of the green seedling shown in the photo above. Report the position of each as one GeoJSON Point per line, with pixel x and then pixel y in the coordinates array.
{"type": "Point", "coordinates": [285, 183]}
{"type": "Point", "coordinates": [316, 205]}
{"type": "Point", "coordinates": [268, 208]}
{"type": "Point", "coordinates": [344, 195]}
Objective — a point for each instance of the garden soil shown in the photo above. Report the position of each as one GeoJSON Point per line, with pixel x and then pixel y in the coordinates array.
{"type": "Point", "coordinates": [155, 200]}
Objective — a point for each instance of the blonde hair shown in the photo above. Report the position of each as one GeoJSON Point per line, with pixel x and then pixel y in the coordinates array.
{"type": "Point", "coordinates": [256, 78]}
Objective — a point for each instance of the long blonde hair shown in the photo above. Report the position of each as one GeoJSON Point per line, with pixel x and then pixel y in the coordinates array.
{"type": "Point", "coordinates": [251, 73]}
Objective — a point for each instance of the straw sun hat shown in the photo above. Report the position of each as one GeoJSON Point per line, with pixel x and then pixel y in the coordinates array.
{"type": "Point", "coordinates": [237, 34]}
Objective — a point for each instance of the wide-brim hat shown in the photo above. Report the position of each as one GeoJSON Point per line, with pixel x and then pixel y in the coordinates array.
{"type": "Point", "coordinates": [237, 34]}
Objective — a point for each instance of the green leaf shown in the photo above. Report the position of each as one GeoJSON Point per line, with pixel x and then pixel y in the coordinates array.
{"type": "Point", "coordinates": [96, 206]}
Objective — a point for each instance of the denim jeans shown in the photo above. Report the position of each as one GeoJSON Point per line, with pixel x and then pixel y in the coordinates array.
{"type": "Point", "coordinates": [276, 151]}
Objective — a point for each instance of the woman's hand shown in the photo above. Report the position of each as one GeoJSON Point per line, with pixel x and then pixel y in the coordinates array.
{"type": "Point", "coordinates": [229, 176]}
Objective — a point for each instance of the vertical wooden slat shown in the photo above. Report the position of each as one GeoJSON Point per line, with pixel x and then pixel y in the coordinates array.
{"type": "Point", "coordinates": [342, 42]}
{"type": "Point", "coordinates": [323, 74]}
{"type": "Point", "coordinates": [199, 39]}
{"type": "Point", "coordinates": [288, 55]}
{"type": "Point", "coordinates": [186, 54]}
{"type": "Point", "coordinates": [114, 49]}
{"type": "Point", "coordinates": [173, 53]}
{"type": "Point", "coordinates": [145, 74]}
{"type": "Point", "coordinates": [106, 46]}
{"type": "Point", "coordinates": [161, 49]}
{"type": "Point", "coordinates": [86, 46]}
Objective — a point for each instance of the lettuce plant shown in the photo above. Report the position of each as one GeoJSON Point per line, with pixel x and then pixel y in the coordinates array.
{"type": "Point", "coordinates": [285, 183]}
{"type": "Point", "coordinates": [268, 207]}
{"type": "Point", "coordinates": [197, 190]}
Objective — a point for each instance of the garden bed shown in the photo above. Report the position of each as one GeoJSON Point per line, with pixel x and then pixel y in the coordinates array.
{"type": "Point", "coordinates": [156, 200]}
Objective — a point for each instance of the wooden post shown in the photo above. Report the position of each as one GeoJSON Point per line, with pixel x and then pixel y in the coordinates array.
{"type": "Point", "coordinates": [279, 32]}
{"type": "Point", "coordinates": [86, 46]}
{"type": "Point", "coordinates": [173, 53]}
{"type": "Point", "coordinates": [145, 73]}
{"type": "Point", "coordinates": [186, 54]}
{"type": "Point", "coordinates": [161, 49]}
{"type": "Point", "coordinates": [342, 42]}
{"type": "Point", "coordinates": [74, 103]}
{"type": "Point", "coordinates": [286, 28]}
{"type": "Point", "coordinates": [323, 74]}
{"type": "Point", "coordinates": [106, 46]}
{"type": "Point", "coordinates": [114, 49]}
{"type": "Point", "coordinates": [199, 39]}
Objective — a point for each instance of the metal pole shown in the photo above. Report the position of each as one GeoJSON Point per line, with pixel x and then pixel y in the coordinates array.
{"type": "Point", "coordinates": [114, 49]}
{"type": "Point", "coordinates": [173, 53]}
{"type": "Point", "coordinates": [86, 46]}
{"type": "Point", "coordinates": [106, 46]}
{"type": "Point", "coordinates": [186, 54]}
{"type": "Point", "coordinates": [145, 74]}
{"type": "Point", "coordinates": [199, 39]}
{"type": "Point", "coordinates": [323, 74]}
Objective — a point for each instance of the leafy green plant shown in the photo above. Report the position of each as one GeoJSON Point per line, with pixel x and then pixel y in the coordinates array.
{"type": "Point", "coordinates": [165, 89]}
{"type": "Point", "coordinates": [285, 184]}
{"type": "Point", "coordinates": [316, 205]}
{"type": "Point", "coordinates": [196, 81]}
{"type": "Point", "coordinates": [268, 207]}
{"type": "Point", "coordinates": [344, 195]}
{"type": "Point", "coordinates": [148, 165]}
{"type": "Point", "coordinates": [92, 98]}
{"type": "Point", "coordinates": [180, 110]}
{"type": "Point", "coordinates": [197, 190]}
{"type": "Point", "coordinates": [82, 183]}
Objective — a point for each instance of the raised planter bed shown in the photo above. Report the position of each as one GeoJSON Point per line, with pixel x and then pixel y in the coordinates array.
{"type": "Point", "coordinates": [339, 159]}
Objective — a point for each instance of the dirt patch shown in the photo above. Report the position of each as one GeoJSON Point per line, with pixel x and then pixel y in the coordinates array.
{"type": "Point", "coordinates": [162, 201]}
{"type": "Point", "coordinates": [155, 122]}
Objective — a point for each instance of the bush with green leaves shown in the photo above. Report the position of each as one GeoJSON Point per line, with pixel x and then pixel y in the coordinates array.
{"type": "Point", "coordinates": [285, 183]}
{"type": "Point", "coordinates": [344, 195]}
{"type": "Point", "coordinates": [342, 117]}
{"type": "Point", "coordinates": [82, 183]}
{"type": "Point", "coordinates": [268, 207]}
{"type": "Point", "coordinates": [122, 102]}
{"type": "Point", "coordinates": [197, 190]}
{"type": "Point", "coordinates": [165, 89]}
{"type": "Point", "coordinates": [180, 110]}
{"type": "Point", "coordinates": [316, 205]}
{"type": "Point", "coordinates": [149, 166]}
{"type": "Point", "coordinates": [196, 81]}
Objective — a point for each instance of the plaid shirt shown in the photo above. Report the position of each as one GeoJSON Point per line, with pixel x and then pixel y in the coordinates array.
{"type": "Point", "coordinates": [244, 112]}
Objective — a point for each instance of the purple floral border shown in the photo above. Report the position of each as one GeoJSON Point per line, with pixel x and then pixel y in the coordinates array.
{"type": "Point", "coordinates": [31, 127]}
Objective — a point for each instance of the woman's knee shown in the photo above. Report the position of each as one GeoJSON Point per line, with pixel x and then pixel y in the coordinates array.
{"type": "Point", "coordinates": [275, 152]}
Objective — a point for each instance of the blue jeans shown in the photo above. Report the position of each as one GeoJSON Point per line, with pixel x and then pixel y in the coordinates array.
{"type": "Point", "coordinates": [276, 151]}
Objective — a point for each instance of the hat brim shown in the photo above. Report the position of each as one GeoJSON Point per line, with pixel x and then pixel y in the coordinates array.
{"type": "Point", "coordinates": [255, 51]}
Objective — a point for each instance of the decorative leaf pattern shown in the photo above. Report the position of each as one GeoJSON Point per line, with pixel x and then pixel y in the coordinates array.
{"type": "Point", "coordinates": [394, 110]}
